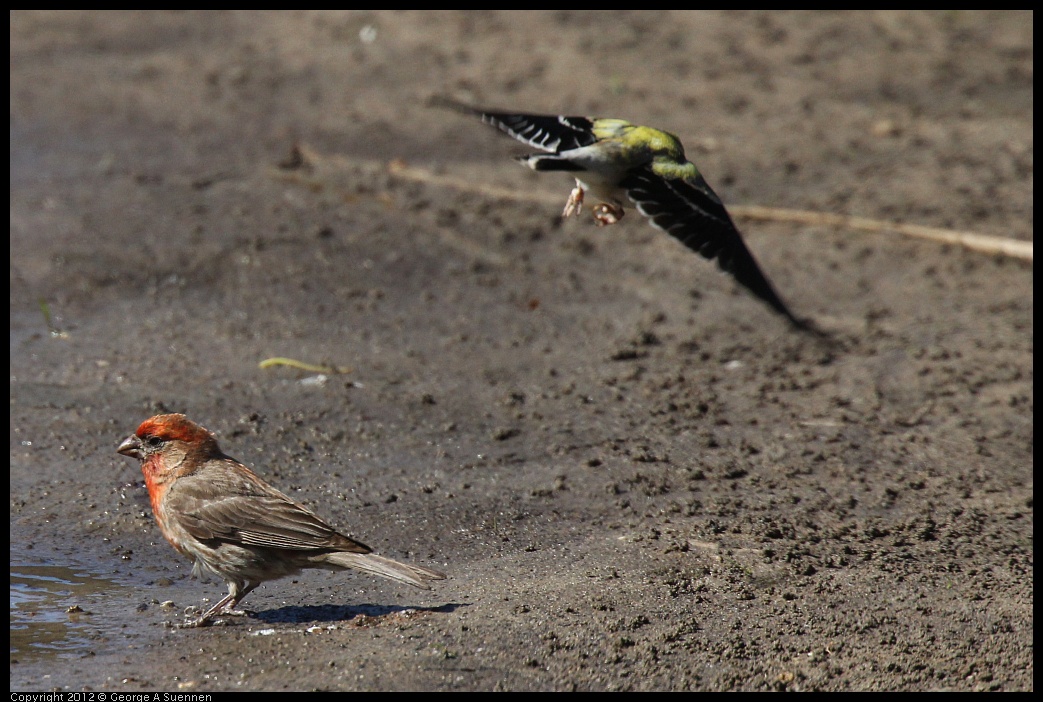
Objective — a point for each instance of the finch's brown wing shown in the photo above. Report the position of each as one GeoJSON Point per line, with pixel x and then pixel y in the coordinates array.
{"type": "Point", "coordinates": [250, 512]}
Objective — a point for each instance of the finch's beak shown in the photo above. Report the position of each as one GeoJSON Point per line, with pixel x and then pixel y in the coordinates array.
{"type": "Point", "coordinates": [131, 446]}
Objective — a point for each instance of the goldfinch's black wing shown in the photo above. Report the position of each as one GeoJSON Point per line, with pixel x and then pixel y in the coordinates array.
{"type": "Point", "coordinates": [548, 132]}
{"type": "Point", "coordinates": [553, 133]}
{"type": "Point", "coordinates": [690, 211]}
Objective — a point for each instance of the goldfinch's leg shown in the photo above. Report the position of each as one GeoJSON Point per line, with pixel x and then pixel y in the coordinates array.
{"type": "Point", "coordinates": [606, 213]}
{"type": "Point", "coordinates": [574, 205]}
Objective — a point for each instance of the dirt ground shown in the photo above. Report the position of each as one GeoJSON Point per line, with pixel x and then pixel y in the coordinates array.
{"type": "Point", "coordinates": [637, 476]}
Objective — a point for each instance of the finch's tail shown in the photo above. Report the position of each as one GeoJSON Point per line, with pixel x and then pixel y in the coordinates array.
{"type": "Point", "coordinates": [549, 162]}
{"type": "Point", "coordinates": [378, 565]}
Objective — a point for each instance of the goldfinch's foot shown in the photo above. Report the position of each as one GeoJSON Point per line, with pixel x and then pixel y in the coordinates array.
{"type": "Point", "coordinates": [606, 214]}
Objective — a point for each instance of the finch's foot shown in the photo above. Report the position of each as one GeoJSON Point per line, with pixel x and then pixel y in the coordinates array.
{"type": "Point", "coordinates": [574, 205]}
{"type": "Point", "coordinates": [198, 622]}
{"type": "Point", "coordinates": [226, 607]}
{"type": "Point", "coordinates": [212, 619]}
{"type": "Point", "coordinates": [605, 214]}
{"type": "Point", "coordinates": [237, 612]}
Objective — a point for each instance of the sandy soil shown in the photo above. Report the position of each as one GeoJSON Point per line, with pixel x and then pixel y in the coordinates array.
{"type": "Point", "coordinates": [637, 476]}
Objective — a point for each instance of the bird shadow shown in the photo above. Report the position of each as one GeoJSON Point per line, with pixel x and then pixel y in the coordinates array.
{"type": "Point", "coordinates": [361, 614]}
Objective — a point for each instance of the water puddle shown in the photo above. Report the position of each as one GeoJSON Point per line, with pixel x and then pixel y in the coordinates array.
{"type": "Point", "coordinates": [51, 611]}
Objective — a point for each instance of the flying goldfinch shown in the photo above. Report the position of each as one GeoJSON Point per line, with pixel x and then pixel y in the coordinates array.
{"type": "Point", "coordinates": [612, 160]}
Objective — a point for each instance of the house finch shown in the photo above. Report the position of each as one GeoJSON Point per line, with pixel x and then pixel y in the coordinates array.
{"type": "Point", "coordinates": [219, 513]}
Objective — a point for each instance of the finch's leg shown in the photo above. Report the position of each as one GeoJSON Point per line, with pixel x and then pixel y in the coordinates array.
{"type": "Point", "coordinates": [235, 594]}
{"type": "Point", "coordinates": [574, 205]}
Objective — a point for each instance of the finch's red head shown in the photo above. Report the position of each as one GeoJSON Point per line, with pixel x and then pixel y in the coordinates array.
{"type": "Point", "coordinates": [161, 429]}
{"type": "Point", "coordinates": [173, 427]}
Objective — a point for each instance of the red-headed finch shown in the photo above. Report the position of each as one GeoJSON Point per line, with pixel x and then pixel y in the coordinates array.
{"type": "Point", "coordinates": [219, 513]}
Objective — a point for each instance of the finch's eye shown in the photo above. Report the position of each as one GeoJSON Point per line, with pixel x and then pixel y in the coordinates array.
{"type": "Point", "coordinates": [153, 441]}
